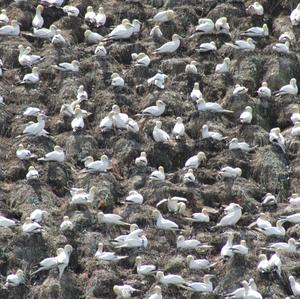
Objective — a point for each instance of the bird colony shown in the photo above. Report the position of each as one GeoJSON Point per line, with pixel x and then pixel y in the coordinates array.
{"type": "Point", "coordinates": [149, 149]}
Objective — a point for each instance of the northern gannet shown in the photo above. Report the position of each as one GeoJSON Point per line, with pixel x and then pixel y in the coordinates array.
{"type": "Point", "coordinates": [210, 134]}
{"type": "Point", "coordinates": [286, 36]}
{"type": "Point", "coordinates": [92, 37]}
{"type": "Point", "coordinates": [120, 120]}
{"type": "Point", "coordinates": [90, 15]}
{"type": "Point", "coordinates": [11, 30]}
{"type": "Point", "coordinates": [189, 177]}
{"type": "Point", "coordinates": [31, 111]}
{"type": "Point", "coordinates": [226, 251]}
{"type": "Point", "coordinates": [290, 246]}
{"type": "Point", "coordinates": [234, 144]}
{"type": "Point", "coordinates": [291, 88]}
{"type": "Point", "coordinates": [136, 242]}
{"type": "Point", "coordinates": [295, 117]}
{"type": "Point", "coordinates": [294, 218]}
{"type": "Point", "coordinates": [30, 227]}
{"type": "Point", "coordinates": [162, 223]}
{"type": "Point", "coordinates": [68, 67]}
{"type": "Point", "coordinates": [66, 224]}
{"type": "Point", "coordinates": [158, 134]}
{"type": "Point", "coordinates": [77, 122]}
{"type": "Point", "coordinates": [264, 265]}
{"type": "Point", "coordinates": [28, 60]}
{"type": "Point", "coordinates": [58, 39]}
{"type": "Point", "coordinates": [199, 264]}
{"type": "Point", "coordinates": [100, 17]}
{"type": "Point", "coordinates": [269, 199]}
{"type": "Point", "coordinates": [178, 129]}
{"type": "Point", "coordinates": [117, 80]}
{"type": "Point", "coordinates": [5, 222]}
{"type": "Point", "coordinates": [141, 59]}
{"type": "Point", "coordinates": [207, 47]}
{"type": "Point", "coordinates": [211, 107]}
{"type": "Point", "coordinates": [45, 33]}
{"type": "Point", "coordinates": [257, 31]}
{"type": "Point", "coordinates": [122, 31]}
{"type": "Point", "coordinates": [83, 197]}
{"type": "Point", "coordinates": [246, 116]}
{"type": "Point", "coordinates": [223, 68]}
{"type": "Point", "coordinates": [239, 89]}
{"type": "Point", "coordinates": [200, 217]}
{"type": "Point", "coordinates": [255, 9]}
{"type": "Point", "coordinates": [124, 291]}
{"type": "Point", "coordinates": [101, 165]}
{"type": "Point", "coordinates": [294, 199]}
{"type": "Point", "coordinates": [134, 233]}
{"type": "Point", "coordinates": [157, 293]}
{"type": "Point", "coordinates": [174, 203]}
{"type": "Point", "coordinates": [296, 129]}
{"type": "Point", "coordinates": [196, 93]}
{"type": "Point", "coordinates": [277, 230]}
{"type": "Point", "coordinates": [240, 248]}
{"type": "Point", "coordinates": [156, 32]}
{"type": "Point", "coordinates": [4, 20]}
{"type": "Point", "coordinates": [158, 175]}
{"type": "Point", "coordinates": [295, 286]}
{"type": "Point", "coordinates": [24, 154]}
{"type": "Point", "coordinates": [136, 24]}
{"type": "Point", "coordinates": [261, 222]}
{"type": "Point", "coordinates": [230, 172]}
{"type": "Point", "coordinates": [194, 161]}
{"type": "Point", "coordinates": [107, 256]}
{"type": "Point", "coordinates": [232, 217]}
{"type": "Point", "coordinates": [156, 110]}
{"type": "Point", "coordinates": [169, 279]}
{"type": "Point", "coordinates": [222, 25]}
{"type": "Point", "coordinates": [158, 80]}
{"type": "Point", "coordinates": [205, 25]}
{"type": "Point", "coordinates": [295, 16]}
{"type": "Point", "coordinates": [144, 269]}
{"type": "Point", "coordinates": [182, 243]}
{"type": "Point", "coordinates": [141, 160]}
{"type": "Point", "coordinates": [38, 215]}
{"type": "Point", "coordinates": [247, 44]}
{"type": "Point", "coordinates": [57, 155]}
{"type": "Point", "coordinates": [134, 197]}
{"type": "Point", "coordinates": [264, 90]}
{"type": "Point", "coordinates": [191, 67]}
{"type": "Point", "coordinates": [282, 47]}
{"type": "Point", "coordinates": [205, 287]}
{"type": "Point", "coordinates": [164, 16]}
{"type": "Point", "coordinates": [275, 261]}
{"type": "Point", "coordinates": [100, 50]}
{"type": "Point", "coordinates": [14, 280]}
{"type": "Point", "coordinates": [71, 11]}
{"type": "Point", "coordinates": [110, 219]}
{"type": "Point", "coordinates": [31, 78]}
{"type": "Point", "coordinates": [275, 137]}
{"type": "Point", "coordinates": [38, 20]}
{"type": "Point", "coordinates": [32, 174]}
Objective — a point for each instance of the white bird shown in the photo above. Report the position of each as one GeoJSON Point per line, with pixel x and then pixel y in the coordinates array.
{"type": "Point", "coordinates": [135, 242]}
{"type": "Point", "coordinates": [117, 80]}
{"type": "Point", "coordinates": [58, 39]}
{"type": "Point", "coordinates": [264, 265]}
{"type": "Point", "coordinates": [4, 20]}
{"type": "Point", "coordinates": [223, 68]}
{"type": "Point", "coordinates": [45, 33]}
{"type": "Point", "coordinates": [107, 256]}
{"type": "Point", "coordinates": [230, 172]}
{"type": "Point", "coordinates": [277, 230]}
{"type": "Point", "coordinates": [164, 16]}
{"type": "Point", "coordinates": [239, 89]}
{"type": "Point", "coordinates": [295, 117]}
{"type": "Point", "coordinates": [82, 197]}
{"type": "Point", "coordinates": [38, 20]}
{"type": "Point", "coordinates": [182, 243]}
{"type": "Point", "coordinates": [286, 36]}
{"type": "Point", "coordinates": [262, 221]}
{"type": "Point", "coordinates": [291, 88]}
{"type": "Point", "coordinates": [169, 279]}
{"type": "Point", "coordinates": [200, 217]}
{"type": "Point", "coordinates": [136, 24]}
{"type": "Point", "coordinates": [77, 122]}
{"type": "Point", "coordinates": [196, 93]}
{"type": "Point", "coordinates": [179, 129]}
{"type": "Point", "coordinates": [294, 199]}
{"type": "Point", "coordinates": [100, 18]}
{"type": "Point", "coordinates": [289, 247]}
{"type": "Point", "coordinates": [158, 175]}
{"type": "Point", "coordinates": [275, 137]}
{"type": "Point", "coordinates": [37, 215]}
{"type": "Point", "coordinates": [226, 249]}
{"type": "Point", "coordinates": [162, 223]}
{"type": "Point", "coordinates": [173, 203]}
{"type": "Point", "coordinates": [141, 59]}
{"type": "Point", "coordinates": [296, 129]}
{"type": "Point", "coordinates": [68, 67]}
{"type": "Point", "coordinates": [11, 30]}
{"type": "Point", "coordinates": [264, 90]}
{"type": "Point", "coordinates": [134, 197]}
{"type": "Point", "coordinates": [158, 80]}
{"type": "Point", "coordinates": [282, 47]}
{"type": "Point", "coordinates": [205, 287]}
{"type": "Point", "coordinates": [122, 31]}
{"type": "Point", "coordinates": [294, 218]}
{"type": "Point", "coordinates": [92, 37]}
{"type": "Point", "coordinates": [246, 116]}
{"type": "Point", "coordinates": [295, 286]}
{"type": "Point", "coordinates": [269, 199]}
{"type": "Point", "coordinates": [31, 111]}
{"type": "Point", "coordinates": [194, 161]}
{"type": "Point", "coordinates": [256, 9]}
{"type": "Point", "coordinates": [27, 60]}
{"type": "Point", "coordinates": [234, 144]}
{"type": "Point", "coordinates": [144, 269]}
{"type": "Point", "coordinates": [101, 165]}
{"type": "Point", "coordinates": [32, 174]}
{"type": "Point", "coordinates": [132, 125]}
{"type": "Point", "coordinates": [247, 44]}
{"type": "Point", "coordinates": [158, 134]}
{"type": "Point", "coordinates": [110, 219]}
{"type": "Point", "coordinates": [240, 248]}
{"type": "Point", "coordinates": [232, 217]}
{"type": "Point", "coordinates": [156, 110]}
{"type": "Point", "coordinates": [205, 25]}
{"type": "Point", "coordinates": [191, 68]}
{"type": "Point", "coordinates": [31, 78]}
{"type": "Point", "coordinates": [257, 31]}
{"type": "Point", "coordinates": [14, 280]}
{"type": "Point", "coordinates": [100, 50]}
{"type": "Point", "coordinates": [210, 134]}
{"type": "Point", "coordinates": [134, 233]}
{"type": "Point", "coordinates": [157, 293]}
{"type": "Point", "coordinates": [6, 222]}
{"type": "Point", "coordinates": [66, 224]}
{"type": "Point", "coordinates": [207, 47]}
{"type": "Point", "coordinates": [71, 11]}
{"type": "Point", "coordinates": [189, 177]}
{"type": "Point", "coordinates": [124, 291]}
{"type": "Point", "coordinates": [295, 16]}
{"type": "Point", "coordinates": [141, 160]}
{"type": "Point", "coordinates": [57, 155]}
{"type": "Point", "coordinates": [24, 154]}
{"type": "Point", "coordinates": [275, 261]}
{"type": "Point", "coordinates": [199, 264]}
{"type": "Point", "coordinates": [90, 15]}
{"type": "Point", "coordinates": [156, 32]}
{"type": "Point", "coordinates": [222, 25]}
{"type": "Point", "coordinates": [31, 227]}
{"type": "Point", "coordinates": [211, 107]}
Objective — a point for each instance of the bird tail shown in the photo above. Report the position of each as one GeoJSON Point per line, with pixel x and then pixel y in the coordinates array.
{"type": "Point", "coordinates": [228, 111]}
{"type": "Point", "coordinates": [232, 45]}
{"type": "Point", "coordinates": [41, 159]}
